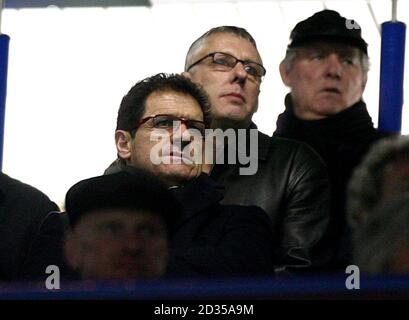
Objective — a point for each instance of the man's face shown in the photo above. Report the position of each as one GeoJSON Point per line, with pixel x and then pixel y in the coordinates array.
{"type": "Point", "coordinates": [325, 79]}
{"type": "Point", "coordinates": [118, 245]}
{"type": "Point", "coordinates": [234, 93]}
{"type": "Point", "coordinates": [174, 156]}
{"type": "Point", "coordinates": [395, 178]}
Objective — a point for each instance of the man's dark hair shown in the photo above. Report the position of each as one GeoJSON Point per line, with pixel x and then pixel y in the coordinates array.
{"type": "Point", "coordinates": [133, 103]}
{"type": "Point", "coordinates": [237, 31]}
{"type": "Point", "coordinates": [379, 241]}
{"type": "Point", "coordinates": [365, 185]}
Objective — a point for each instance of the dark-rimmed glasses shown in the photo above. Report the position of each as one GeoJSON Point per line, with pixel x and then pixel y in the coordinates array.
{"type": "Point", "coordinates": [229, 62]}
{"type": "Point", "coordinates": [170, 122]}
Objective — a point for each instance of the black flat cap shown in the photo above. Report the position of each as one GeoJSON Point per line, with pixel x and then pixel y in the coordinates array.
{"type": "Point", "coordinates": [130, 189]}
{"type": "Point", "coordinates": [328, 25]}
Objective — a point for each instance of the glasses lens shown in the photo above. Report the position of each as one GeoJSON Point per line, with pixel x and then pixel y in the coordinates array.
{"type": "Point", "coordinates": [228, 61]}
{"type": "Point", "coordinates": [164, 122]}
{"type": "Point", "coordinates": [254, 69]}
{"type": "Point", "coordinates": [224, 60]}
{"type": "Point", "coordinates": [168, 122]}
{"type": "Point", "coordinates": [198, 125]}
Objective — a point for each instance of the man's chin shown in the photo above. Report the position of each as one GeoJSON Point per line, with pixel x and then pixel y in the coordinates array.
{"type": "Point", "coordinates": [233, 113]}
{"type": "Point", "coordinates": [230, 122]}
{"type": "Point", "coordinates": [178, 174]}
{"type": "Point", "coordinates": [177, 160]}
{"type": "Point", "coordinates": [322, 108]}
{"type": "Point", "coordinates": [329, 109]}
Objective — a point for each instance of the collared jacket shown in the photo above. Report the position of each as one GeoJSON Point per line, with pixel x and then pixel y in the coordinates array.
{"type": "Point", "coordinates": [31, 231]}
{"type": "Point", "coordinates": [291, 185]}
{"type": "Point", "coordinates": [214, 240]}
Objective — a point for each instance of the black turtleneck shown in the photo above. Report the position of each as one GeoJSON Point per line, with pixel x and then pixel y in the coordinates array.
{"type": "Point", "coordinates": [341, 140]}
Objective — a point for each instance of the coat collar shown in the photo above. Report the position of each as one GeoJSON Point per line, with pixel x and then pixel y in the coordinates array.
{"type": "Point", "coordinates": [264, 143]}
{"type": "Point", "coordinates": [346, 125]}
{"type": "Point", "coordinates": [197, 195]}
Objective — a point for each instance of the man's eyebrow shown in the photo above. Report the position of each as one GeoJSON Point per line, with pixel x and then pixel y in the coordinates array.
{"type": "Point", "coordinates": [246, 59]}
{"type": "Point", "coordinates": [110, 222]}
{"type": "Point", "coordinates": [341, 51]}
{"type": "Point", "coordinates": [347, 52]}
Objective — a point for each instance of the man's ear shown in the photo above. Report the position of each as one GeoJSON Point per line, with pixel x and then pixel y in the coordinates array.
{"type": "Point", "coordinates": [123, 142]}
{"type": "Point", "coordinates": [186, 75]}
{"type": "Point", "coordinates": [72, 251]}
{"type": "Point", "coordinates": [364, 80]}
{"type": "Point", "coordinates": [284, 74]}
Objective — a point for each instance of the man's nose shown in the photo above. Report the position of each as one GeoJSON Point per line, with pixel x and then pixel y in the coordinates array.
{"type": "Point", "coordinates": [183, 134]}
{"type": "Point", "coordinates": [182, 130]}
{"type": "Point", "coordinates": [132, 243]}
{"type": "Point", "coordinates": [239, 74]}
{"type": "Point", "coordinates": [334, 66]}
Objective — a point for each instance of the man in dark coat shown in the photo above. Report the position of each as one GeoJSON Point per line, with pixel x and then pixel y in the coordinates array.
{"type": "Point", "coordinates": [31, 232]}
{"type": "Point", "coordinates": [326, 67]}
{"type": "Point", "coordinates": [290, 181]}
{"type": "Point", "coordinates": [160, 127]}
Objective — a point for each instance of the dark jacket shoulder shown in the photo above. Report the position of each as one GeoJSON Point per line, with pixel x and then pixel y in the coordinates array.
{"type": "Point", "coordinates": [23, 209]}
{"type": "Point", "coordinates": [291, 185]}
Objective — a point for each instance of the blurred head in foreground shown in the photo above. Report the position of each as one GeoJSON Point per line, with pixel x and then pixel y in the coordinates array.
{"type": "Point", "coordinates": [119, 226]}
{"type": "Point", "coordinates": [381, 244]}
{"type": "Point", "coordinates": [382, 175]}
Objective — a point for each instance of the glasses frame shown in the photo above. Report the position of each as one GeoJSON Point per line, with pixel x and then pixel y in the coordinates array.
{"type": "Point", "coordinates": [243, 62]}
{"type": "Point", "coordinates": [184, 121]}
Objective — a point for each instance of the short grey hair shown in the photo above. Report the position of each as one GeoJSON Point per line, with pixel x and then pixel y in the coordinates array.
{"type": "Point", "coordinates": [365, 186]}
{"type": "Point", "coordinates": [378, 241]}
{"type": "Point", "coordinates": [291, 55]}
{"type": "Point", "coordinates": [237, 31]}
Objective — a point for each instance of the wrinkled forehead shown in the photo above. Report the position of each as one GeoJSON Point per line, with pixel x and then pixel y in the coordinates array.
{"type": "Point", "coordinates": [170, 102]}
{"type": "Point", "coordinates": [230, 43]}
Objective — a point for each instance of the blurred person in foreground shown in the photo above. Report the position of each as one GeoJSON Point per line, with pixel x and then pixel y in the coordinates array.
{"type": "Point", "coordinates": [381, 243]}
{"type": "Point", "coordinates": [382, 175]}
{"type": "Point", "coordinates": [119, 226]}
{"type": "Point", "coordinates": [31, 231]}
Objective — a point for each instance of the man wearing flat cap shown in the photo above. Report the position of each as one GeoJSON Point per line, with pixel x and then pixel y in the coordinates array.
{"type": "Point", "coordinates": [325, 67]}
{"type": "Point", "coordinates": [119, 226]}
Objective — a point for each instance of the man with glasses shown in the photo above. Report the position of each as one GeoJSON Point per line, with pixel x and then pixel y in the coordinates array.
{"type": "Point", "coordinates": [159, 129]}
{"type": "Point", "coordinates": [291, 182]}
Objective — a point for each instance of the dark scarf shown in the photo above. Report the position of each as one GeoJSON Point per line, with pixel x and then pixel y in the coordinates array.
{"type": "Point", "coordinates": [346, 125]}
{"type": "Point", "coordinates": [351, 130]}
{"type": "Point", "coordinates": [341, 140]}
